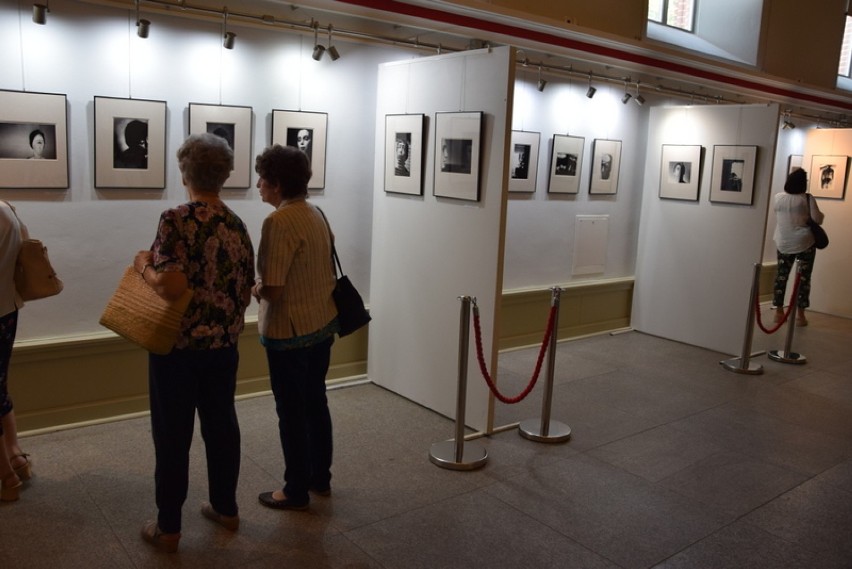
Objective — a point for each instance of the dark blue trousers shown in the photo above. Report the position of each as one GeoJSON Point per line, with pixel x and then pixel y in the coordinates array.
{"type": "Point", "coordinates": [180, 383]}
{"type": "Point", "coordinates": [304, 421]}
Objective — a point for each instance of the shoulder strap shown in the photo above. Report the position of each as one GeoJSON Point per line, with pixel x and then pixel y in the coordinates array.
{"type": "Point", "coordinates": [335, 259]}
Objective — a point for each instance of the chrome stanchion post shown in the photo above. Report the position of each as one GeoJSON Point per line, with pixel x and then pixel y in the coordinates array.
{"type": "Point", "coordinates": [454, 455]}
{"type": "Point", "coordinates": [788, 356]}
{"type": "Point", "coordinates": [743, 363]}
{"type": "Point", "coordinates": [545, 430]}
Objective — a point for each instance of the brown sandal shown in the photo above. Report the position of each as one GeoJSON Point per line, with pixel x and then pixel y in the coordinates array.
{"type": "Point", "coordinates": [24, 471]}
{"type": "Point", "coordinates": [12, 491]}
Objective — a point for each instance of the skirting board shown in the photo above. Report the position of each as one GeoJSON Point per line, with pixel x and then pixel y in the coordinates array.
{"type": "Point", "coordinates": [61, 382]}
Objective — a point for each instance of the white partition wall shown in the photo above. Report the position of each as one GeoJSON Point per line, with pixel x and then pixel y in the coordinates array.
{"type": "Point", "coordinates": [427, 250]}
{"type": "Point", "coordinates": [831, 280]}
{"type": "Point", "coordinates": [696, 259]}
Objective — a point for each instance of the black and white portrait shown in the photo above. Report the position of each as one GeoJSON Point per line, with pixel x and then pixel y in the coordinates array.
{"type": "Point", "coordinates": [27, 141]}
{"type": "Point", "coordinates": [223, 130]}
{"type": "Point", "coordinates": [402, 154]}
{"type": "Point", "coordinates": [456, 155]}
{"type": "Point", "coordinates": [301, 138]}
{"type": "Point", "coordinates": [521, 161]}
{"type": "Point", "coordinates": [130, 143]}
{"type": "Point", "coordinates": [826, 176]}
{"type": "Point", "coordinates": [566, 164]}
{"type": "Point", "coordinates": [732, 175]}
{"type": "Point", "coordinates": [679, 172]}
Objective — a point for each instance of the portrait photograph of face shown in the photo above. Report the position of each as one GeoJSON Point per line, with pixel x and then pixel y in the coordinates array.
{"type": "Point", "coordinates": [679, 172]}
{"type": "Point", "coordinates": [28, 141]}
{"type": "Point", "coordinates": [402, 154]}
{"type": "Point", "coordinates": [130, 143]}
{"type": "Point", "coordinates": [606, 166]}
{"type": "Point", "coordinates": [301, 138]}
{"type": "Point", "coordinates": [223, 130]}
{"type": "Point", "coordinates": [456, 155]}
{"type": "Point", "coordinates": [521, 161]}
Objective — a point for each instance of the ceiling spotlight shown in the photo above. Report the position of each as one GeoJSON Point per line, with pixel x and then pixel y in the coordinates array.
{"type": "Point", "coordinates": [228, 37]}
{"type": "Point", "coordinates": [640, 100]}
{"type": "Point", "coordinates": [787, 124]}
{"type": "Point", "coordinates": [626, 97]}
{"type": "Point", "coordinates": [590, 92]}
{"type": "Point", "coordinates": [541, 82]}
{"type": "Point", "coordinates": [332, 51]}
{"type": "Point", "coordinates": [40, 13]}
{"type": "Point", "coordinates": [319, 49]}
{"type": "Point", "coordinates": [142, 26]}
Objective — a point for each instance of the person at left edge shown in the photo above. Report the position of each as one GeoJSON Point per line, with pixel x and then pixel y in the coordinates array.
{"type": "Point", "coordinates": [202, 245]}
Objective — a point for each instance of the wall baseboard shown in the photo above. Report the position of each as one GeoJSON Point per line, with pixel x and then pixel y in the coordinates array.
{"type": "Point", "coordinates": [57, 383]}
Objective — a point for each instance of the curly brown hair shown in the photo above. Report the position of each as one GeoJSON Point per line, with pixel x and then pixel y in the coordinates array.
{"type": "Point", "coordinates": [287, 167]}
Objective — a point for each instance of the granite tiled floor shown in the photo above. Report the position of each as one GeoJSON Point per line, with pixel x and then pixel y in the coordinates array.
{"type": "Point", "coordinates": [673, 462]}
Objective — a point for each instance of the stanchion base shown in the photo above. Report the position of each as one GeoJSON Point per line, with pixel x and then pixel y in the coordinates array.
{"type": "Point", "coordinates": [443, 454]}
{"type": "Point", "coordinates": [787, 357]}
{"type": "Point", "coordinates": [735, 365]}
{"type": "Point", "coordinates": [556, 432]}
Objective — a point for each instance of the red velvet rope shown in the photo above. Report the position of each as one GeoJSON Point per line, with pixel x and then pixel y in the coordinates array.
{"type": "Point", "coordinates": [484, 369]}
{"type": "Point", "coordinates": [793, 298]}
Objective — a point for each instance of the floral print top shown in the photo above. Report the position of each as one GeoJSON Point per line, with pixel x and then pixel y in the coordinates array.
{"type": "Point", "coordinates": [211, 246]}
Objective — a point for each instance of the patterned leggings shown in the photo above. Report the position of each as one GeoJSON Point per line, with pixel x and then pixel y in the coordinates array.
{"type": "Point", "coordinates": [785, 265]}
{"type": "Point", "coordinates": [8, 328]}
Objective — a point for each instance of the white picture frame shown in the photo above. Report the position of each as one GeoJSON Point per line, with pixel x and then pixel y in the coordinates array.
{"type": "Point", "coordinates": [680, 172]}
{"type": "Point", "coordinates": [732, 180]}
{"type": "Point", "coordinates": [606, 163]}
{"type": "Point", "coordinates": [33, 140]}
{"type": "Point", "coordinates": [130, 143]}
{"type": "Point", "coordinates": [566, 164]}
{"type": "Point", "coordinates": [234, 124]}
{"type": "Point", "coordinates": [404, 152]}
{"type": "Point", "coordinates": [288, 128]}
{"type": "Point", "coordinates": [828, 176]}
{"type": "Point", "coordinates": [458, 139]}
{"type": "Point", "coordinates": [523, 161]}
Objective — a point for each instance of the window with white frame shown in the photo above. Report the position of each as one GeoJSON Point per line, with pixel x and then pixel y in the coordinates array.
{"type": "Point", "coordinates": [674, 13]}
{"type": "Point", "coordinates": [845, 67]}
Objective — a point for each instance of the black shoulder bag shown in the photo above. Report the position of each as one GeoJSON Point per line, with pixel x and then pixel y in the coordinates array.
{"type": "Point", "coordinates": [351, 313]}
{"type": "Point", "coordinates": [820, 236]}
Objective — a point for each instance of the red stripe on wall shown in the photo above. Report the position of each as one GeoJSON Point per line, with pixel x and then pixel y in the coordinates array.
{"type": "Point", "coordinates": [518, 32]}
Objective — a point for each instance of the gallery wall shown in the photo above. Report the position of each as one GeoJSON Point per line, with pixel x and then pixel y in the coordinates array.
{"type": "Point", "coordinates": [541, 230]}
{"type": "Point", "coordinates": [831, 279]}
{"type": "Point", "coordinates": [695, 264]}
{"type": "Point", "coordinates": [85, 51]}
{"type": "Point", "coordinates": [430, 249]}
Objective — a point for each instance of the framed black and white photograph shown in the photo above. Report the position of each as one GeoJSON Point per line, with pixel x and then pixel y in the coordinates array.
{"type": "Point", "coordinates": [794, 162]}
{"type": "Point", "coordinates": [33, 140]}
{"type": "Point", "coordinates": [130, 143]}
{"type": "Point", "coordinates": [457, 147]}
{"type": "Point", "coordinates": [233, 123]}
{"type": "Point", "coordinates": [828, 176]}
{"type": "Point", "coordinates": [680, 172]}
{"type": "Point", "coordinates": [523, 161]}
{"type": "Point", "coordinates": [404, 153]}
{"type": "Point", "coordinates": [307, 132]}
{"type": "Point", "coordinates": [606, 160]}
{"type": "Point", "coordinates": [732, 180]}
{"type": "Point", "coordinates": [566, 162]}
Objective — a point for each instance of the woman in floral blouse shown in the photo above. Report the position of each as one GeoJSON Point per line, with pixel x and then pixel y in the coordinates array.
{"type": "Point", "coordinates": [204, 246]}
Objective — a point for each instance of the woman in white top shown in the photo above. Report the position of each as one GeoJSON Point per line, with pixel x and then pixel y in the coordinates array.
{"type": "Point", "coordinates": [14, 464]}
{"type": "Point", "coordinates": [794, 241]}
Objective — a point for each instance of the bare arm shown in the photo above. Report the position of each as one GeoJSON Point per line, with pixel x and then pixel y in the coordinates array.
{"type": "Point", "coordinates": [168, 286]}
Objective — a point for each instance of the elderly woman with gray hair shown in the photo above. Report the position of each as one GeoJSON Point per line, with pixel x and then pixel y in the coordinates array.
{"type": "Point", "coordinates": [201, 245]}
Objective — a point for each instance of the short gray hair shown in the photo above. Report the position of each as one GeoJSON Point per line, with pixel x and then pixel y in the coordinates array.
{"type": "Point", "coordinates": [206, 161]}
